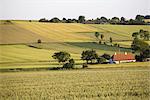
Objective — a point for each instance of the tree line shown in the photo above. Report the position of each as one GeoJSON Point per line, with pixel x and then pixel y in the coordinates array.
{"type": "Point", "coordinates": [90, 56]}
{"type": "Point", "coordinates": [139, 20]}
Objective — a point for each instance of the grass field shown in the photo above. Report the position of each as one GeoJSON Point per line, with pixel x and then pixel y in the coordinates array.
{"type": "Point", "coordinates": [99, 84]}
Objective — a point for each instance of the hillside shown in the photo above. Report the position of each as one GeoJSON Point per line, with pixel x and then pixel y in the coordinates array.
{"type": "Point", "coordinates": [28, 32]}
{"type": "Point", "coordinates": [19, 47]}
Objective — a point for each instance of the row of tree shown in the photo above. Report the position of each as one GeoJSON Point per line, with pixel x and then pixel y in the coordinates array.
{"type": "Point", "coordinates": [139, 20]}
{"type": "Point", "coordinates": [90, 56]}
{"type": "Point", "coordinates": [81, 19]}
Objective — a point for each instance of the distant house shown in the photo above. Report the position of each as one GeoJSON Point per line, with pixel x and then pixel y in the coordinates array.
{"type": "Point", "coordinates": [123, 58]}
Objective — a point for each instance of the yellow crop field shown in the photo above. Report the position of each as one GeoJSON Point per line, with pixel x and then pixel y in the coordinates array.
{"type": "Point", "coordinates": [27, 32]}
{"type": "Point", "coordinates": [73, 38]}
{"type": "Point", "coordinates": [99, 84]}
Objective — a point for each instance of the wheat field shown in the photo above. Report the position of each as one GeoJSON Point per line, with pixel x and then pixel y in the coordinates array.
{"type": "Point", "coordinates": [99, 84]}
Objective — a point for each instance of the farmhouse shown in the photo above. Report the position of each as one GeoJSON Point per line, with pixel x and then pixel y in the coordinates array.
{"type": "Point", "coordinates": [123, 57]}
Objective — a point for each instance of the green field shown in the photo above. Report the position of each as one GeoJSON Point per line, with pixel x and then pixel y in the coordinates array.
{"type": "Point", "coordinates": [96, 84]}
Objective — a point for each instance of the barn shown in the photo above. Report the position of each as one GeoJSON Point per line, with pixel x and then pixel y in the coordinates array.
{"type": "Point", "coordinates": [123, 58]}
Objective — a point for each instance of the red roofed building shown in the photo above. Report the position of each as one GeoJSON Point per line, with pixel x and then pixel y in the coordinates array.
{"type": "Point", "coordinates": [123, 57]}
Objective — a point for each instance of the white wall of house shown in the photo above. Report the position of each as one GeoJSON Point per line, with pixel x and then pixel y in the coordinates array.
{"type": "Point", "coordinates": [124, 61]}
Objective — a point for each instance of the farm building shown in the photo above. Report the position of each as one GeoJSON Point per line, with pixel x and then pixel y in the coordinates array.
{"type": "Point", "coordinates": [123, 57]}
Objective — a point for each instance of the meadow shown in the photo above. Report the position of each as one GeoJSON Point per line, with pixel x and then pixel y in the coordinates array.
{"type": "Point", "coordinates": [93, 84]}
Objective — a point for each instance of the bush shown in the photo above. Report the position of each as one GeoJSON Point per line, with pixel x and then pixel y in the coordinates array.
{"type": "Point", "coordinates": [84, 65]}
{"type": "Point", "coordinates": [106, 56]}
{"type": "Point", "coordinates": [101, 60]}
{"type": "Point", "coordinates": [39, 41]}
{"type": "Point", "coordinates": [69, 65]}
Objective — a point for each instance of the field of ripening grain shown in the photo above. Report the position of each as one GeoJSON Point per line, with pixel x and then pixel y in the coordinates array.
{"type": "Point", "coordinates": [100, 84]}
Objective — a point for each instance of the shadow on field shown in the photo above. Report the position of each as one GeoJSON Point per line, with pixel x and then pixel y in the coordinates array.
{"type": "Point", "coordinates": [93, 45]}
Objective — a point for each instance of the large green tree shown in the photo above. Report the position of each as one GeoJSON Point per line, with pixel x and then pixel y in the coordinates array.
{"type": "Point", "coordinates": [61, 56]}
{"type": "Point", "coordinates": [89, 55]}
{"type": "Point", "coordinates": [139, 45]}
{"type": "Point", "coordinates": [70, 64]}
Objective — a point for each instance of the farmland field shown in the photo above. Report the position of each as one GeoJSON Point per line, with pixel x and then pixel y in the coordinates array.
{"type": "Point", "coordinates": [93, 84]}
{"type": "Point", "coordinates": [20, 52]}
{"type": "Point", "coordinates": [26, 32]}
{"type": "Point", "coordinates": [19, 48]}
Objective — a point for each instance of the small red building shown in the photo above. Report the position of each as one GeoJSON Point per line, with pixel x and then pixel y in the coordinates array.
{"type": "Point", "coordinates": [123, 57]}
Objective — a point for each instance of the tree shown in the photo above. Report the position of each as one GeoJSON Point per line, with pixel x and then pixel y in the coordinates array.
{"type": "Point", "coordinates": [97, 34]}
{"type": "Point", "coordinates": [143, 55]}
{"type": "Point", "coordinates": [101, 60]}
{"type": "Point", "coordinates": [135, 34]}
{"type": "Point", "coordinates": [139, 45]}
{"type": "Point", "coordinates": [89, 55]}
{"type": "Point", "coordinates": [55, 20]}
{"type": "Point", "coordinates": [64, 20]}
{"type": "Point", "coordinates": [43, 20]}
{"type": "Point", "coordinates": [103, 19]}
{"type": "Point", "coordinates": [102, 36]}
{"type": "Point", "coordinates": [139, 17]}
{"type": "Point", "coordinates": [142, 34]}
{"type": "Point", "coordinates": [106, 56]}
{"type": "Point", "coordinates": [61, 56]}
{"type": "Point", "coordinates": [110, 39]}
{"type": "Point", "coordinates": [123, 19]}
{"type": "Point", "coordinates": [81, 19]}
{"type": "Point", "coordinates": [115, 20]}
{"type": "Point", "coordinates": [70, 64]}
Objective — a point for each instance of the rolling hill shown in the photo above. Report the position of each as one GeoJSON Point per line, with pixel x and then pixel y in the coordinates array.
{"type": "Point", "coordinates": [28, 32]}
{"type": "Point", "coordinates": [19, 48]}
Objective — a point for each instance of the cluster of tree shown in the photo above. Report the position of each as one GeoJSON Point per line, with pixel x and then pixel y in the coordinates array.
{"type": "Point", "coordinates": [7, 22]}
{"type": "Point", "coordinates": [139, 45]}
{"type": "Point", "coordinates": [81, 19]}
{"type": "Point", "coordinates": [90, 56]}
{"type": "Point", "coordinates": [139, 20]}
{"type": "Point", "coordinates": [142, 34]}
{"type": "Point", "coordinates": [144, 54]}
{"type": "Point", "coordinates": [64, 58]}
{"type": "Point", "coordinates": [100, 39]}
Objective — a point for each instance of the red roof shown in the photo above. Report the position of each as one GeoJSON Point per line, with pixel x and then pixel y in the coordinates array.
{"type": "Point", "coordinates": [125, 56]}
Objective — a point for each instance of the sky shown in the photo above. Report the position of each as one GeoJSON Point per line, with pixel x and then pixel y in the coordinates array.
{"type": "Point", "coordinates": [36, 9]}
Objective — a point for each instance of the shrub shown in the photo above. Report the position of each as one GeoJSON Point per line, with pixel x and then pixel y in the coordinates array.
{"type": "Point", "coordinates": [101, 60]}
{"type": "Point", "coordinates": [84, 65]}
{"type": "Point", "coordinates": [39, 41]}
